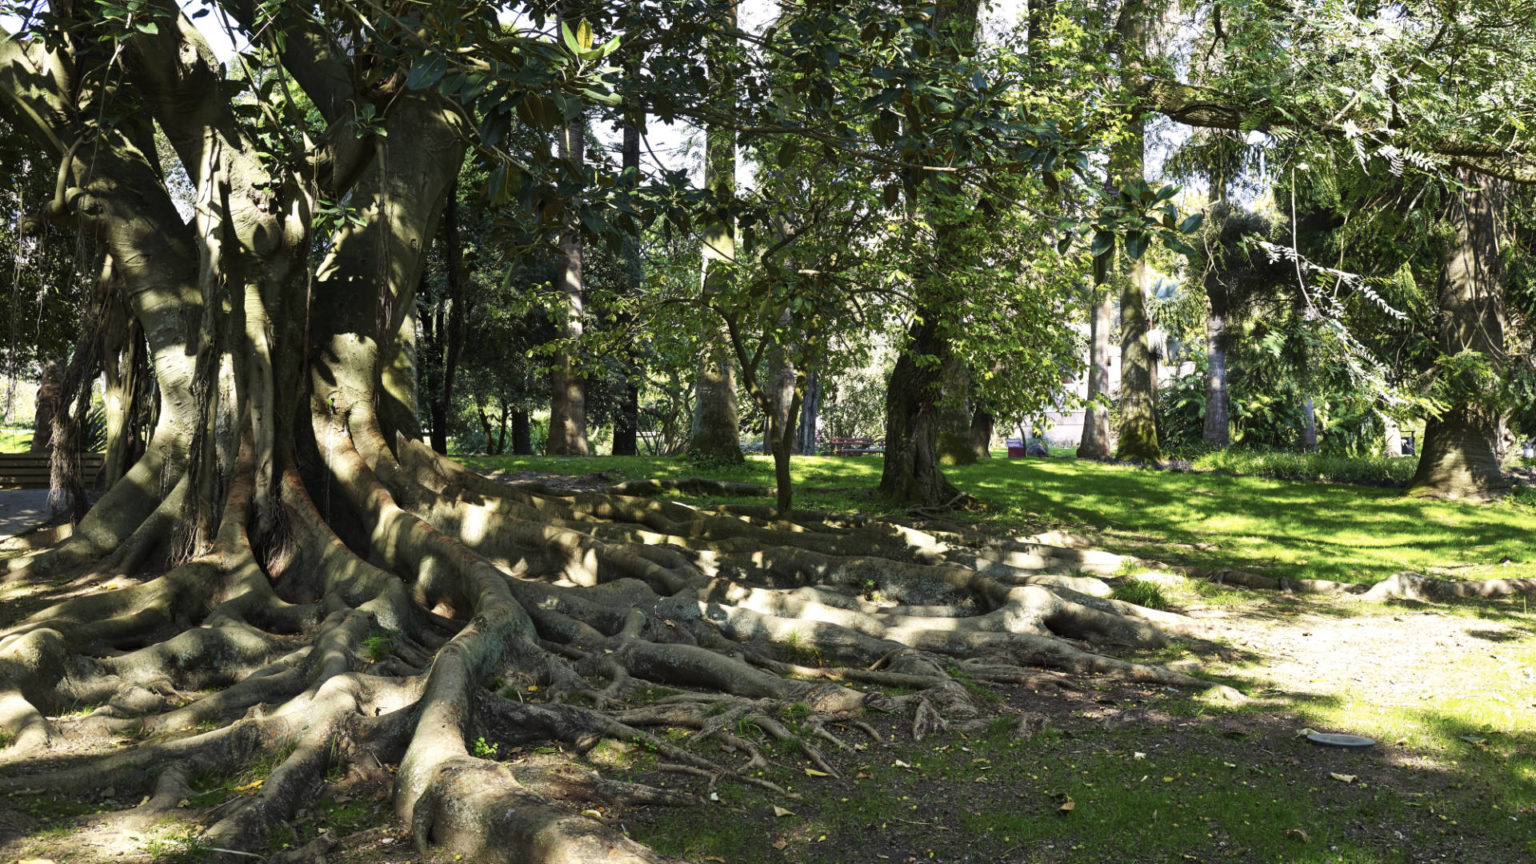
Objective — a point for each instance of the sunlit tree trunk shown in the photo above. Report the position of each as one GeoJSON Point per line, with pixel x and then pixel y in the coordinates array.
{"type": "Point", "coordinates": [1138, 395]}
{"type": "Point", "coordinates": [1096, 431]}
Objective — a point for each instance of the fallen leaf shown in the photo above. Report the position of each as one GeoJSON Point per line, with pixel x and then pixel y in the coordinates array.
{"type": "Point", "coordinates": [1138, 755]}
{"type": "Point", "coordinates": [1296, 833]}
{"type": "Point", "coordinates": [1067, 807]}
{"type": "Point", "coordinates": [249, 786]}
{"type": "Point", "coordinates": [812, 772]}
{"type": "Point", "coordinates": [780, 812]}
{"type": "Point", "coordinates": [1342, 778]}
{"type": "Point", "coordinates": [713, 858]}
{"type": "Point", "coordinates": [900, 764]}
{"type": "Point", "coordinates": [780, 844]}
{"type": "Point", "coordinates": [593, 813]}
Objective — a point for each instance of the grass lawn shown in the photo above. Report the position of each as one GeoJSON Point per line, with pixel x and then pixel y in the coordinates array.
{"type": "Point", "coordinates": [1284, 528]}
{"type": "Point", "coordinates": [15, 439]}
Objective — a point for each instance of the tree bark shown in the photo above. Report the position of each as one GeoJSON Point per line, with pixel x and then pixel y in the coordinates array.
{"type": "Point", "coordinates": [522, 433]}
{"type": "Point", "coordinates": [1308, 425]}
{"type": "Point", "coordinates": [567, 386]}
{"type": "Point", "coordinates": [1460, 451]}
{"type": "Point", "coordinates": [626, 426]}
{"type": "Point", "coordinates": [982, 426]}
{"type": "Point", "coordinates": [441, 401]}
{"type": "Point", "coordinates": [919, 436]}
{"type": "Point", "coordinates": [1096, 432]}
{"type": "Point", "coordinates": [1218, 407]}
{"type": "Point", "coordinates": [1138, 394]}
{"type": "Point", "coordinates": [805, 435]}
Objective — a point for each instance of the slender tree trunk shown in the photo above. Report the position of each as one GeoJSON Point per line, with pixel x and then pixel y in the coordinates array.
{"type": "Point", "coordinates": [1138, 404]}
{"type": "Point", "coordinates": [626, 427]}
{"type": "Point", "coordinates": [782, 400]}
{"type": "Point", "coordinates": [715, 432]}
{"type": "Point", "coordinates": [1460, 452]}
{"type": "Point", "coordinates": [453, 334]}
{"type": "Point", "coordinates": [568, 388]}
{"type": "Point", "coordinates": [47, 406]}
{"type": "Point", "coordinates": [1138, 394]}
{"type": "Point", "coordinates": [805, 433]}
{"type": "Point", "coordinates": [1308, 426]}
{"type": "Point", "coordinates": [1392, 435]}
{"type": "Point", "coordinates": [485, 428]}
{"type": "Point", "coordinates": [1096, 431]}
{"type": "Point", "coordinates": [1218, 411]}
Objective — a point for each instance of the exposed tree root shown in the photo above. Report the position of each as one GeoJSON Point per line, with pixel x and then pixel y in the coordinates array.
{"type": "Point", "coordinates": [1403, 585]}
{"type": "Point", "coordinates": [449, 618]}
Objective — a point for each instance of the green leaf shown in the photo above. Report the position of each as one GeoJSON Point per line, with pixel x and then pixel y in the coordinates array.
{"type": "Point", "coordinates": [569, 38]}
{"type": "Point", "coordinates": [1136, 244]}
{"type": "Point", "coordinates": [1103, 243]}
{"type": "Point", "coordinates": [584, 35]}
{"type": "Point", "coordinates": [787, 152]}
{"type": "Point", "coordinates": [426, 72]}
{"type": "Point", "coordinates": [1191, 223]}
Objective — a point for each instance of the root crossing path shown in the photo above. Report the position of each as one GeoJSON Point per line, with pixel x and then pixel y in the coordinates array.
{"type": "Point", "coordinates": [405, 620]}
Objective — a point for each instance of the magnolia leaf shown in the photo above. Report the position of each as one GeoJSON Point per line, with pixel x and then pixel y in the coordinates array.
{"type": "Point", "coordinates": [780, 812]}
{"type": "Point", "coordinates": [584, 35]}
{"type": "Point", "coordinates": [812, 772]}
{"type": "Point", "coordinates": [1067, 807]}
{"type": "Point", "coordinates": [1191, 223]}
{"type": "Point", "coordinates": [593, 813]}
{"type": "Point", "coordinates": [1342, 778]}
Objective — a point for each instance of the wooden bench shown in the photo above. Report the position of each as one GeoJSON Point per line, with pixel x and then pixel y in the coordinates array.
{"type": "Point", "coordinates": [854, 446]}
{"type": "Point", "coordinates": [34, 470]}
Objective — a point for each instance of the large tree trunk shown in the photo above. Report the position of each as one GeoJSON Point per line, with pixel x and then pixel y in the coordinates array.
{"type": "Point", "coordinates": [926, 424]}
{"type": "Point", "coordinates": [1096, 432]}
{"type": "Point", "coordinates": [1459, 458]}
{"type": "Point", "coordinates": [982, 426]}
{"type": "Point", "coordinates": [912, 474]}
{"type": "Point", "coordinates": [567, 385]}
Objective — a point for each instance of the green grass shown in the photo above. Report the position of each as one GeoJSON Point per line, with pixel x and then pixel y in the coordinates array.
{"type": "Point", "coordinates": [1307, 466]}
{"type": "Point", "coordinates": [1277, 527]}
{"type": "Point", "coordinates": [15, 439]}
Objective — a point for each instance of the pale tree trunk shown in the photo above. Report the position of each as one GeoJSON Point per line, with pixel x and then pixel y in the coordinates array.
{"type": "Point", "coordinates": [567, 386]}
{"type": "Point", "coordinates": [715, 433]}
{"type": "Point", "coordinates": [805, 435]}
{"type": "Point", "coordinates": [1308, 426]}
{"type": "Point", "coordinates": [1218, 407]}
{"type": "Point", "coordinates": [1096, 431]}
{"type": "Point", "coordinates": [1392, 434]}
{"type": "Point", "coordinates": [1138, 394]}
{"type": "Point", "coordinates": [1460, 451]}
